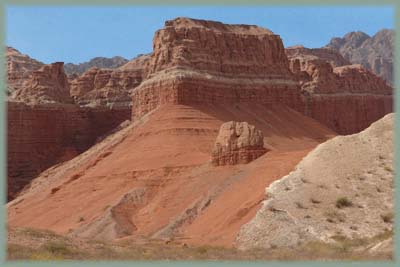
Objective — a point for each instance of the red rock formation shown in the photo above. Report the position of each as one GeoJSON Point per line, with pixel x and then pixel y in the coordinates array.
{"type": "Point", "coordinates": [197, 61]}
{"type": "Point", "coordinates": [49, 84]}
{"type": "Point", "coordinates": [41, 136]}
{"type": "Point", "coordinates": [44, 127]}
{"type": "Point", "coordinates": [105, 86]}
{"type": "Point", "coordinates": [346, 98]}
{"type": "Point", "coordinates": [19, 67]}
{"type": "Point", "coordinates": [237, 143]}
{"type": "Point", "coordinates": [137, 63]}
{"type": "Point", "coordinates": [325, 54]}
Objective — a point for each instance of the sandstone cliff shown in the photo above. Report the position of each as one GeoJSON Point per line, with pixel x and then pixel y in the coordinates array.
{"type": "Point", "coordinates": [374, 53]}
{"type": "Point", "coordinates": [44, 126]}
{"type": "Point", "coordinates": [198, 61]}
{"type": "Point", "coordinates": [343, 189]}
{"type": "Point", "coordinates": [106, 87]}
{"type": "Point", "coordinates": [346, 98]}
{"type": "Point", "coordinates": [41, 136]}
{"type": "Point", "coordinates": [19, 67]}
{"type": "Point", "coordinates": [49, 84]}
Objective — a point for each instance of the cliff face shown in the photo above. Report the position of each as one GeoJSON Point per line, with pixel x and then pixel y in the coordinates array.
{"type": "Point", "coordinates": [373, 53]}
{"type": "Point", "coordinates": [346, 98]}
{"type": "Point", "coordinates": [196, 61]}
{"type": "Point", "coordinates": [49, 84]}
{"type": "Point", "coordinates": [45, 127]}
{"type": "Point", "coordinates": [44, 135]}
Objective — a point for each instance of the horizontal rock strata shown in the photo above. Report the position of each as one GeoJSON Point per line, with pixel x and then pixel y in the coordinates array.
{"type": "Point", "coordinates": [196, 61]}
{"type": "Point", "coordinates": [44, 135]}
{"type": "Point", "coordinates": [237, 143]}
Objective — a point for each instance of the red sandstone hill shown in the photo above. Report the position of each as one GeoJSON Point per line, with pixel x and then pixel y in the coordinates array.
{"type": "Point", "coordinates": [156, 178]}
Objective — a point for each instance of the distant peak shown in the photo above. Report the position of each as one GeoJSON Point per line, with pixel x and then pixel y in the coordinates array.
{"type": "Point", "coordinates": [296, 47]}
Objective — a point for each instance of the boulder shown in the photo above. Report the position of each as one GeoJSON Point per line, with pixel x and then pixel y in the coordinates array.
{"type": "Point", "coordinates": [237, 143]}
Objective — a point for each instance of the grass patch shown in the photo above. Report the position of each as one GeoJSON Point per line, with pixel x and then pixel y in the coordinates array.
{"type": "Point", "coordinates": [334, 216]}
{"type": "Point", "coordinates": [36, 233]}
{"type": "Point", "coordinates": [56, 249]}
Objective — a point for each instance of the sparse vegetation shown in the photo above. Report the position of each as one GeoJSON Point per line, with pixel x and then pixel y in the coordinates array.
{"type": "Point", "coordinates": [304, 180]}
{"type": "Point", "coordinates": [343, 202]}
{"type": "Point", "coordinates": [299, 205]}
{"type": "Point", "coordinates": [388, 217]}
{"type": "Point", "coordinates": [389, 169]}
{"type": "Point", "coordinates": [61, 248]}
{"type": "Point", "coordinates": [315, 201]}
{"type": "Point", "coordinates": [334, 216]}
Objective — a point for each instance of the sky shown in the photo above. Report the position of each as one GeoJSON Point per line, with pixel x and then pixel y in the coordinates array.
{"type": "Point", "coordinates": [77, 34]}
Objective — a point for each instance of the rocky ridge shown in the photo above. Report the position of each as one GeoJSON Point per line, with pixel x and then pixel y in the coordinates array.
{"type": "Point", "coordinates": [326, 54]}
{"type": "Point", "coordinates": [97, 62]}
{"type": "Point", "coordinates": [106, 87]}
{"type": "Point", "coordinates": [373, 53]}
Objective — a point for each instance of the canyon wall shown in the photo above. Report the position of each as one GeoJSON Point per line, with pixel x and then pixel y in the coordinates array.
{"type": "Point", "coordinates": [45, 126]}
{"type": "Point", "coordinates": [44, 135]}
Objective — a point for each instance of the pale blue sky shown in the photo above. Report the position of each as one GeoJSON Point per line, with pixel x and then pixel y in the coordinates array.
{"type": "Point", "coordinates": [77, 34]}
